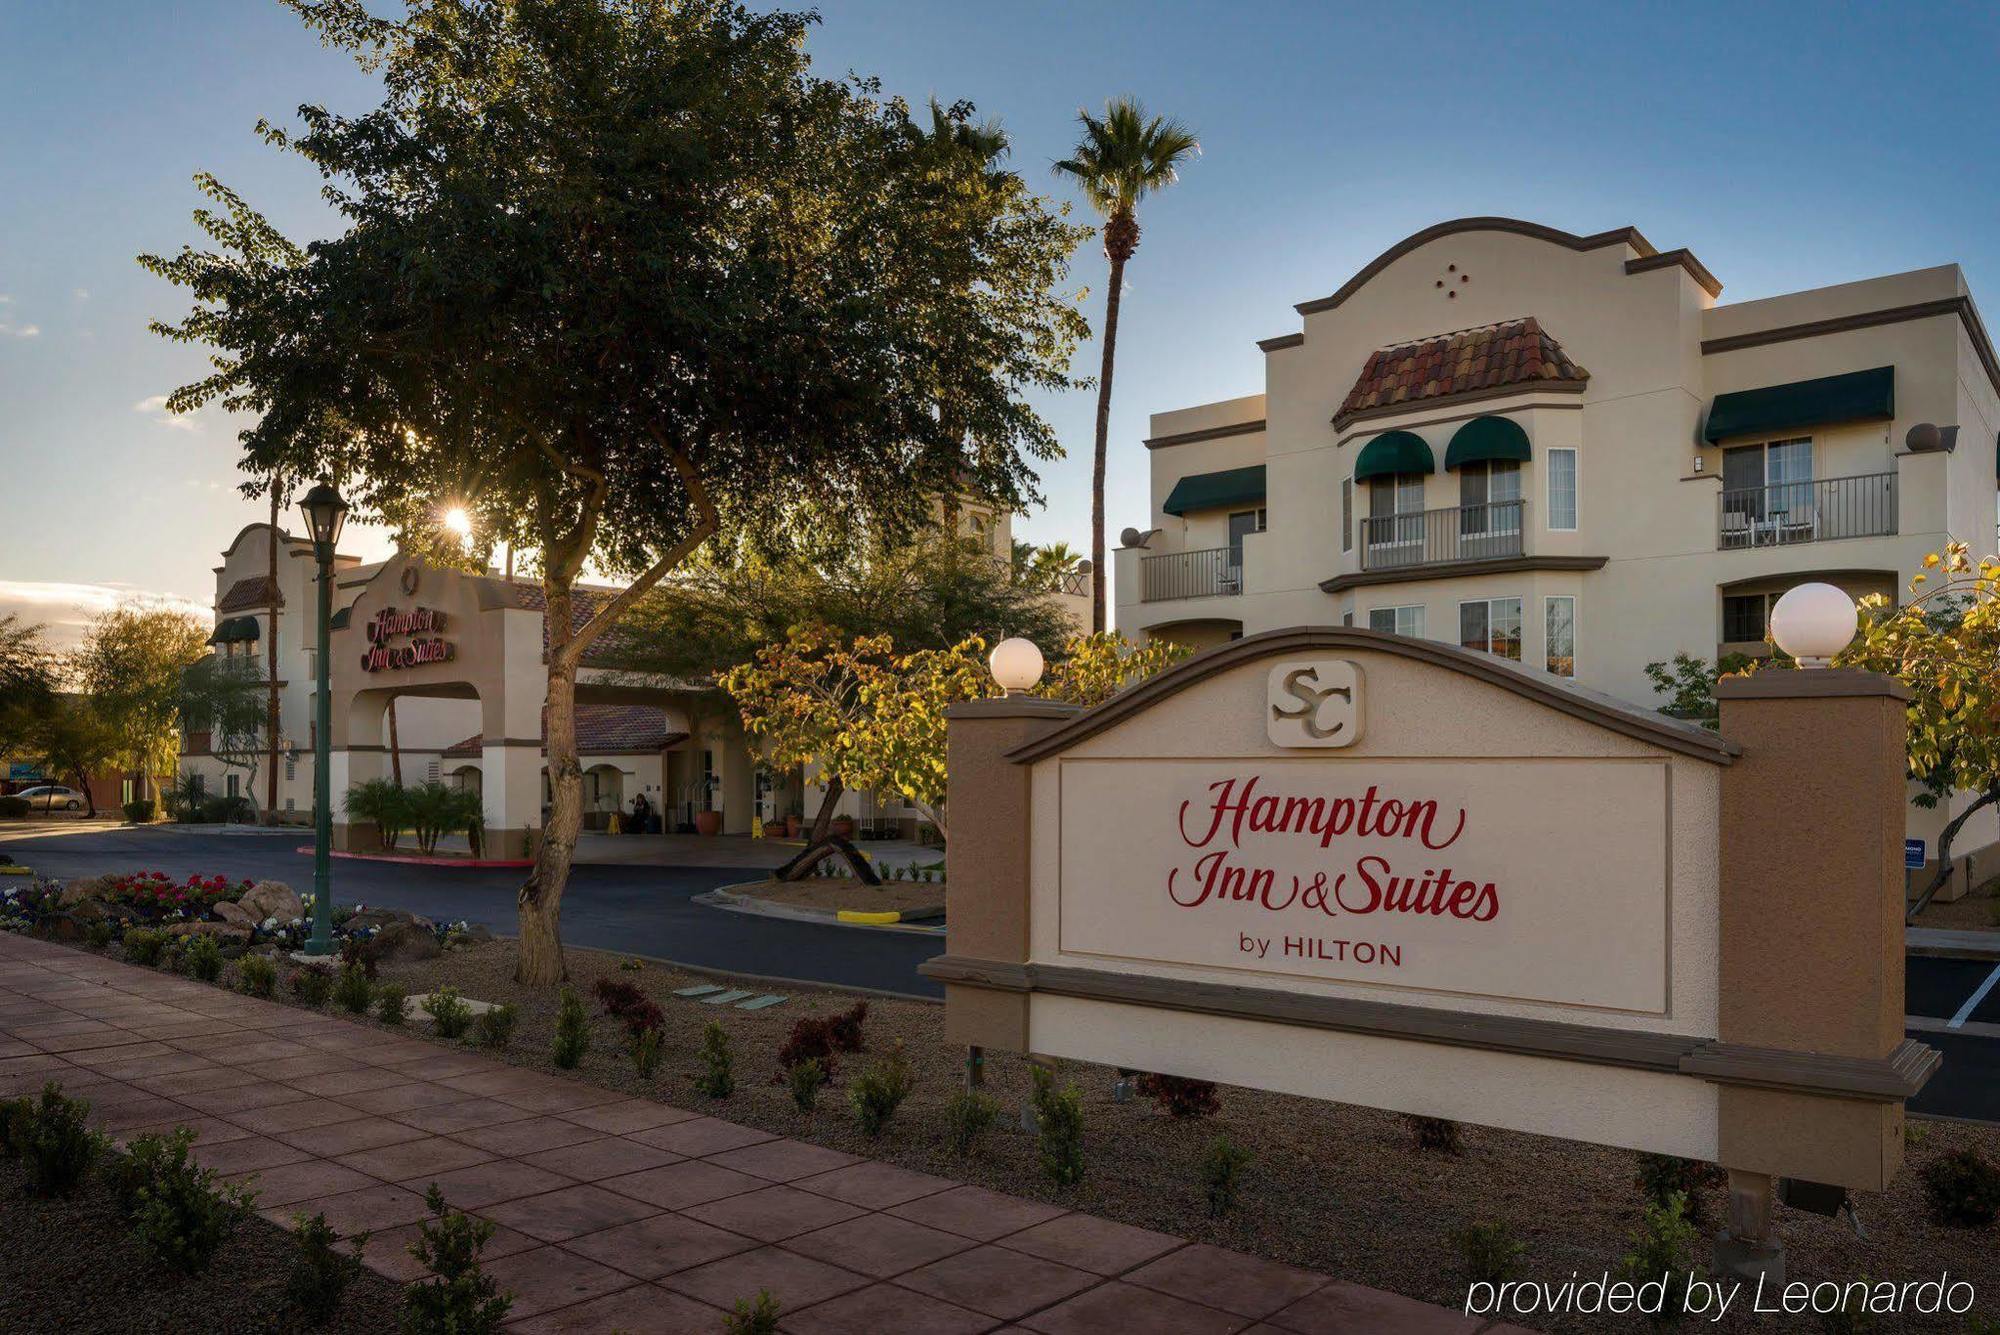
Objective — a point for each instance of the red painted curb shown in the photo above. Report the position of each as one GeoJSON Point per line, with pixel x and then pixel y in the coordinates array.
{"type": "Point", "coordinates": [470, 864]}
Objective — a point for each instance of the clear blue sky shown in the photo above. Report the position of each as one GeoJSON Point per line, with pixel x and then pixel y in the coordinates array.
{"type": "Point", "coordinates": [1788, 146]}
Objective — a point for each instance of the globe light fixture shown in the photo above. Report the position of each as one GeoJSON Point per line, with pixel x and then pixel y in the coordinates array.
{"type": "Point", "coordinates": [1812, 623]}
{"type": "Point", "coordinates": [1016, 664]}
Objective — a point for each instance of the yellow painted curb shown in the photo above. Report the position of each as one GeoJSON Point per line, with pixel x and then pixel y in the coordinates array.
{"type": "Point", "coordinates": [871, 919]}
{"type": "Point", "coordinates": [14, 869]}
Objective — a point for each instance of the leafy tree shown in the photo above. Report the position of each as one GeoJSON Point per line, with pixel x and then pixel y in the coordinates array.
{"type": "Point", "coordinates": [1688, 684]}
{"type": "Point", "coordinates": [74, 742]}
{"type": "Point", "coordinates": [225, 697]}
{"type": "Point", "coordinates": [1123, 157]}
{"type": "Point", "coordinates": [616, 277]}
{"type": "Point", "coordinates": [27, 681]}
{"type": "Point", "coordinates": [132, 664]}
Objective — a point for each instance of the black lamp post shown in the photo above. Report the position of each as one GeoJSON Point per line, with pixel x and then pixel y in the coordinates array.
{"type": "Point", "coordinates": [326, 514]}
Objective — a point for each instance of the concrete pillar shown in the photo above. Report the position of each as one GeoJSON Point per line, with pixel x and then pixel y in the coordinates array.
{"type": "Point", "coordinates": [510, 756]}
{"type": "Point", "coordinates": [1811, 940]}
{"type": "Point", "coordinates": [357, 753]}
{"type": "Point", "coordinates": [735, 767]}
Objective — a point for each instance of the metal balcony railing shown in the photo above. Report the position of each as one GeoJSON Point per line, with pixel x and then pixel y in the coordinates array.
{"type": "Point", "coordinates": [1784, 513]}
{"type": "Point", "coordinates": [1442, 537]}
{"type": "Point", "coordinates": [1207, 573]}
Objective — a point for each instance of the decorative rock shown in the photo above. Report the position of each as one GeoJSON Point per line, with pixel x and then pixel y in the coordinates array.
{"type": "Point", "coordinates": [405, 941]}
{"type": "Point", "coordinates": [89, 910]}
{"type": "Point", "coordinates": [235, 914]}
{"type": "Point", "coordinates": [221, 930]}
{"type": "Point", "coordinates": [375, 919]}
{"type": "Point", "coordinates": [272, 899]}
{"type": "Point", "coordinates": [75, 892]}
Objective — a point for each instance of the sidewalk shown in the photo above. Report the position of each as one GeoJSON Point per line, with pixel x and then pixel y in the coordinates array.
{"type": "Point", "coordinates": [616, 1213]}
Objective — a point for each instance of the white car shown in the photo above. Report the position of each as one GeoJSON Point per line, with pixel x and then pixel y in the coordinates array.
{"type": "Point", "coordinates": [53, 797]}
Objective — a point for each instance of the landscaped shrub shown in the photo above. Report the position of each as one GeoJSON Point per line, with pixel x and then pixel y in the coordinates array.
{"type": "Point", "coordinates": [753, 1316]}
{"type": "Point", "coordinates": [804, 1079]}
{"type": "Point", "coordinates": [1662, 1245]}
{"type": "Point", "coordinates": [572, 1030]}
{"type": "Point", "coordinates": [55, 1142]}
{"type": "Point", "coordinates": [878, 1091]}
{"type": "Point", "coordinates": [1222, 1165]}
{"type": "Point", "coordinates": [450, 1016]}
{"type": "Point", "coordinates": [11, 805]}
{"type": "Point", "coordinates": [494, 1026]}
{"type": "Point", "coordinates": [383, 804]}
{"type": "Point", "coordinates": [811, 1039]}
{"type": "Point", "coordinates": [1059, 1114]}
{"type": "Point", "coordinates": [458, 1298]}
{"type": "Point", "coordinates": [392, 1004]}
{"type": "Point", "coordinates": [360, 952]}
{"type": "Point", "coordinates": [718, 1064]}
{"type": "Point", "coordinates": [1491, 1252]}
{"type": "Point", "coordinates": [1437, 1134]}
{"type": "Point", "coordinates": [435, 809]}
{"type": "Point", "coordinates": [203, 958]}
{"type": "Point", "coordinates": [98, 933]}
{"type": "Point", "coordinates": [144, 946]}
{"type": "Point", "coordinates": [1179, 1096]}
{"type": "Point", "coordinates": [15, 1114]}
{"type": "Point", "coordinates": [352, 991]}
{"type": "Point", "coordinates": [256, 975]}
{"type": "Point", "coordinates": [139, 812]}
{"type": "Point", "coordinates": [178, 1212]}
{"type": "Point", "coordinates": [1963, 1189]}
{"type": "Point", "coordinates": [321, 1271]}
{"type": "Point", "coordinates": [628, 1003]}
{"type": "Point", "coordinates": [846, 1030]}
{"type": "Point", "coordinates": [1662, 1176]}
{"type": "Point", "coordinates": [312, 984]}
{"type": "Point", "coordinates": [969, 1115]}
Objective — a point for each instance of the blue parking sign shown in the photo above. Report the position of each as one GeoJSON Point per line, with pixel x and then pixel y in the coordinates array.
{"type": "Point", "coordinates": [1913, 855]}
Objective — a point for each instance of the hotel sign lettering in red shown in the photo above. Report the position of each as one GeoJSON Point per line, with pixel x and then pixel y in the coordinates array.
{"type": "Point", "coordinates": [400, 639]}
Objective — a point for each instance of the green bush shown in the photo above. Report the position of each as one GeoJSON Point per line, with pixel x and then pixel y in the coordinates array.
{"type": "Point", "coordinates": [312, 984]}
{"type": "Point", "coordinates": [805, 1079]}
{"type": "Point", "coordinates": [392, 1004]}
{"type": "Point", "coordinates": [1440, 1135]}
{"type": "Point", "coordinates": [1963, 1189]}
{"type": "Point", "coordinates": [758, 1316]}
{"type": "Point", "coordinates": [1059, 1114]}
{"type": "Point", "coordinates": [352, 991]}
{"type": "Point", "coordinates": [969, 1116]}
{"type": "Point", "coordinates": [256, 975]}
{"type": "Point", "coordinates": [877, 1092]}
{"type": "Point", "coordinates": [178, 1213]}
{"type": "Point", "coordinates": [55, 1142]}
{"type": "Point", "coordinates": [457, 1298]}
{"type": "Point", "coordinates": [15, 1116]}
{"type": "Point", "coordinates": [11, 805]}
{"type": "Point", "coordinates": [139, 812]}
{"type": "Point", "coordinates": [203, 958]}
{"type": "Point", "coordinates": [450, 1016]}
{"type": "Point", "coordinates": [382, 803]}
{"type": "Point", "coordinates": [1491, 1252]}
{"type": "Point", "coordinates": [1661, 1176]}
{"type": "Point", "coordinates": [645, 1049]}
{"type": "Point", "coordinates": [572, 1030]}
{"type": "Point", "coordinates": [98, 933]}
{"type": "Point", "coordinates": [320, 1271]}
{"type": "Point", "coordinates": [494, 1027]}
{"type": "Point", "coordinates": [1222, 1165]}
{"type": "Point", "coordinates": [144, 946]}
{"type": "Point", "coordinates": [718, 1063]}
{"type": "Point", "coordinates": [1663, 1244]}
{"type": "Point", "coordinates": [434, 810]}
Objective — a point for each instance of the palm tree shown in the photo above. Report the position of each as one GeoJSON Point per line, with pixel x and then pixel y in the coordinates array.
{"type": "Point", "coordinates": [1123, 157]}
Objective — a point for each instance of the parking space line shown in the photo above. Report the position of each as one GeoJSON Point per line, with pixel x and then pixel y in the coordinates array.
{"type": "Point", "coordinates": [1972, 1002]}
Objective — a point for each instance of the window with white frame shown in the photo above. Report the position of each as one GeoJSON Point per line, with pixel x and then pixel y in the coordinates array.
{"type": "Point", "coordinates": [1561, 466]}
{"type": "Point", "coordinates": [1398, 620]}
{"type": "Point", "coordinates": [1491, 625]}
{"type": "Point", "coordinates": [1559, 635]}
{"type": "Point", "coordinates": [1395, 510]}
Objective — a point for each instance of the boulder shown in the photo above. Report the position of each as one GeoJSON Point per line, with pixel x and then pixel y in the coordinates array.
{"type": "Point", "coordinates": [377, 919]}
{"type": "Point", "coordinates": [235, 914]}
{"type": "Point", "coordinates": [222, 931]}
{"type": "Point", "coordinates": [89, 910]}
{"type": "Point", "coordinates": [405, 941]}
{"type": "Point", "coordinates": [272, 899]}
{"type": "Point", "coordinates": [75, 892]}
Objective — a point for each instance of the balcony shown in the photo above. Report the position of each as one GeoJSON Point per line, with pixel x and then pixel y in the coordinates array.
{"type": "Point", "coordinates": [1443, 537]}
{"type": "Point", "coordinates": [1208, 573]}
{"type": "Point", "coordinates": [1786, 513]}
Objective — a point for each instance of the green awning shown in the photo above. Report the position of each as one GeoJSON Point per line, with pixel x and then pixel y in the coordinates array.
{"type": "Point", "coordinates": [1487, 438]}
{"type": "Point", "coordinates": [235, 630]}
{"type": "Point", "coordinates": [1858, 396]}
{"type": "Point", "coordinates": [1394, 452]}
{"type": "Point", "coordinates": [340, 619]}
{"type": "Point", "coordinates": [1212, 491]}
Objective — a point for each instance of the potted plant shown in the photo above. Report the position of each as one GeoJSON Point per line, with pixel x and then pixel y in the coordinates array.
{"type": "Point", "coordinates": [708, 822]}
{"type": "Point", "coordinates": [842, 827]}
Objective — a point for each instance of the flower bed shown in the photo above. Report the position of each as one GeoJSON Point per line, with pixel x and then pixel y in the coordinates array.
{"type": "Point", "coordinates": [157, 895]}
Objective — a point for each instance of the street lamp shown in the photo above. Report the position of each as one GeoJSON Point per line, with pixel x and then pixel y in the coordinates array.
{"type": "Point", "coordinates": [326, 514]}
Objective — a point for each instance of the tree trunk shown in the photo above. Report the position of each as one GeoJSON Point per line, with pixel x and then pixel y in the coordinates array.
{"type": "Point", "coordinates": [271, 671]}
{"type": "Point", "coordinates": [1951, 829]}
{"type": "Point", "coordinates": [818, 843]}
{"type": "Point", "coordinates": [540, 900]}
{"type": "Point", "coordinates": [1111, 303]}
{"type": "Point", "coordinates": [395, 747]}
{"type": "Point", "coordinates": [89, 798]}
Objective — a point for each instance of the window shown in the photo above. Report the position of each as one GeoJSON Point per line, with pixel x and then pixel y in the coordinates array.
{"type": "Point", "coordinates": [432, 772]}
{"type": "Point", "coordinates": [1760, 479]}
{"type": "Point", "coordinates": [1745, 617]}
{"type": "Point", "coordinates": [1562, 488]}
{"type": "Point", "coordinates": [1491, 625]}
{"type": "Point", "coordinates": [1240, 523]}
{"type": "Point", "coordinates": [1489, 498]}
{"type": "Point", "coordinates": [1347, 514]}
{"type": "Point", "coordinates": [232, 786]}
{"type": "Point", "coordinates": [1559, 635]}
{"type": "Point", "coordinates": [1398, 620]}
{"type": "Point", "coordinates": [1396, 510]}
{"type": "Point", "coordinates": [1347, 618]}
{"type": "Point", "coordinates": [291, 765]}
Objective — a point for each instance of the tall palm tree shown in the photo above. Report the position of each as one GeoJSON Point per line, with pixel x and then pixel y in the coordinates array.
{"type": "Point", "coordinates": [1123, 157]}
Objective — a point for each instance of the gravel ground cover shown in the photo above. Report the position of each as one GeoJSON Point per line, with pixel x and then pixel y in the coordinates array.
{"type": "Point", "coordinates": [1331, 1187]}
{"type": "Point", "coordinates": [1978, 911]}
{"type": "Point", "coordinates": [72, 1266]}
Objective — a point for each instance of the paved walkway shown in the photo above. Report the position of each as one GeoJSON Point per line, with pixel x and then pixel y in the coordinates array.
{"type": "Point", "coordinates": [614, 1213]}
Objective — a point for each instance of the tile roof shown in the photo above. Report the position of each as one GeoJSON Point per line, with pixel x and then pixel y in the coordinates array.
{"type": "Point", "coordinates": [607, 649]}
{"type": "Point", "coordinates": [1494, 356]}
{"type": "Point", "coordinates": [245, 593]}
{"type": "Point", "coordinates": [601, 729]}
